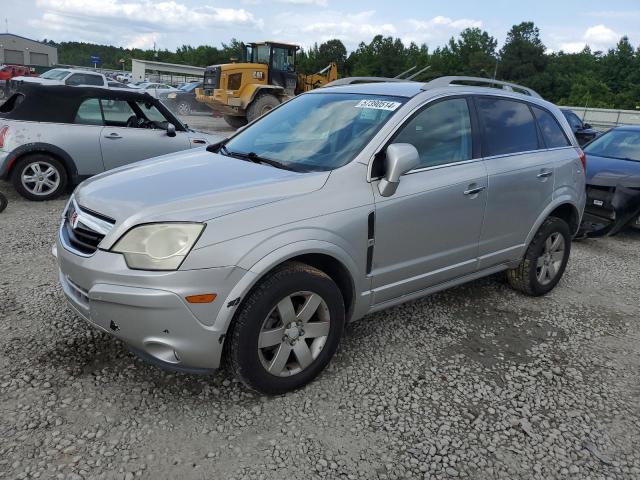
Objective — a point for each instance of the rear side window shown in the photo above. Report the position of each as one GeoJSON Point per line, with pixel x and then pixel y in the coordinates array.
{"type": "Point", "coordinates": [84, 79]}
{"type": "Point", "coordinates": [507, 126]}
{"type": "Point", "coordinates": [89, 113]}
{"type": "Point", "coordinates": [10, 105]}
{"type": "Point", "coordinates": [441, 133]}
{"type": "Point", "coordinates": [552, 133]}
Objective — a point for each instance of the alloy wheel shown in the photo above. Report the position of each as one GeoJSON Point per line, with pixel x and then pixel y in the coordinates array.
{"type": "Point", "coordinates": [40, 178]}
{"type": "Point", "coordinates": [294, 333]}
{"type": "Point", "coordinates": [550, 261]}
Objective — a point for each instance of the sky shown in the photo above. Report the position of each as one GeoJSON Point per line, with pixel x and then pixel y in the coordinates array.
{"type": "Point", "coordinates": [566, 25]}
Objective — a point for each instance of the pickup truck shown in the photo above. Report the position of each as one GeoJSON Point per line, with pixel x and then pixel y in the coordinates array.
{"type": "Point", "coordinates": [64, 76]}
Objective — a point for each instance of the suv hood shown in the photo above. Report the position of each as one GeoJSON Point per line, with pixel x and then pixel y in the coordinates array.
{"type": "Point", "coordinates": [195, 185]}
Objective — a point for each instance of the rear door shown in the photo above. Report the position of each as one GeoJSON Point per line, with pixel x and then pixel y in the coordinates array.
{"type": "Point", "coordinates": [122, 144]}
{"type": "Point", "coordinates": [521, 177]}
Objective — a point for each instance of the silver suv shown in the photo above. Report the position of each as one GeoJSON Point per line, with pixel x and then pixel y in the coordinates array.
{"type": "Point", "coordinates": [341, 202]}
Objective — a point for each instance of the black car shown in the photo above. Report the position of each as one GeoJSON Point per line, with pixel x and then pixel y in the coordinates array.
{"type": "Point", "coordinates": [613, 182]}
{"type": "Point", "coordinates": [183, 102]}
{"type": "Point", "coordinates": [583, 131]}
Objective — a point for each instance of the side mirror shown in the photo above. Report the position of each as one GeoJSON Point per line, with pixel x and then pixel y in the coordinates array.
{"type": "Point", "coordinates": [586, 126]}
{"type": "Point", "coordinates": [400, 159]}
{"type": "Point", "coordinates": [171, 130]}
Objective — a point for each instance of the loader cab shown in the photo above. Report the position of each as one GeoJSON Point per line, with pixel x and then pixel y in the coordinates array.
{"type": "Point", "coordinates": [280, 59]}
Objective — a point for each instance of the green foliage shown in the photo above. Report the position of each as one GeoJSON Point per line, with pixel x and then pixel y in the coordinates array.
{"type": "Point", "coordinates": [595, 79]}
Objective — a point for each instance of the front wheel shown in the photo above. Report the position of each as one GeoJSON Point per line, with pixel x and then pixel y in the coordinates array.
{"type": "Point", "coordinates": [545, 260]}
{"type": "Point", "coordinates": [261, 105]}
{"type": "Point", "coordinates": [286, 330]}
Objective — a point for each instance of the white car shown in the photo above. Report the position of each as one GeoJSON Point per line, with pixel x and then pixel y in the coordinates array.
{"type": "Point", "coordinates": [124, 77]}
{"type": "Point", "coordinates": [156, 89]}
{"type": "Point", "coordinates": [66, 76]}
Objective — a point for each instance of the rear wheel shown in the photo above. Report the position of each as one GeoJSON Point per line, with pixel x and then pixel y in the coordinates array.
{"type": "Point", "coordinates": [184, 108]}
{"type": "Point", "coordinates": [39, 177]}
{"type": "Point", "coordinates": [287, 329]}
{"type": "Point", "coordinates": [261, 105]}
{"type": "Point", "coordinates": [235, 122]}
{"type": "Point", "coordinates": [545, 260]}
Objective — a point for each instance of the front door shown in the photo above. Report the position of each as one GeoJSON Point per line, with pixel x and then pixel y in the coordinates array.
{"type": "Point", "coordinates": [428, 231]}
{"type": "Point", "coordinates": [135, 131]}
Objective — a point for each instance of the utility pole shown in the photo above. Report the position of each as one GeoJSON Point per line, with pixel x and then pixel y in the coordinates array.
{"type": "Point", "coordinates": [6, 24]}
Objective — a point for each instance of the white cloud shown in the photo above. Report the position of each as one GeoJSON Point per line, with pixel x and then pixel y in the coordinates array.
{"type": "Point", "coordinates": [598, 37]}
{"type": "Point", "coordinates": [318, 3]}
{"type": "Point", "coordinates": [321, 26]}
{"type": "Point", "coordinates": [461, 23]}
{"type": "Point", "coordinates": [601, 35]}
{"type": "Point", "coordinates": [138, 22]}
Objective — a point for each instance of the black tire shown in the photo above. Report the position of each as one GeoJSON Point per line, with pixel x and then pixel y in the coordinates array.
{"type": "Point", "coordinates": [183, 109]}
{"type": "Point", "coordinates": [235, 122]}
{"type": "Point", "coordinates": [525, 277]}
{"type": "Point", "coordinates": [22, 166]}
{"type": "Point", "coordinates": [242, 354]}
{"type": "Point", "coordinates": [261, 105]}
{"type": "Point", "coordinates": [3, 202]}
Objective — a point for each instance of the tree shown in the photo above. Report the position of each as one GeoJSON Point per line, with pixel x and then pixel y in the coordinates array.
{"type": "Point", "coordinates": [474, 53]}
{"type": "Point", "coordinates": [522, 57]}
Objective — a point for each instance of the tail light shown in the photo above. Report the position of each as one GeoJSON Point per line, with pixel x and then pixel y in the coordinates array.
{"type": "Point", "coordinates": [3, 134]}
{"type": "Point", "coordinates": [583, 159]}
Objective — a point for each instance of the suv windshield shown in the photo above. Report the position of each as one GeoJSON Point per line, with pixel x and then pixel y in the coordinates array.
{"type": "Point", "coordinates": [316, 132]}
{"type": "Point", "coordinates": [55, 74]}
{"type": "Point", "coordinates": [624, 144]}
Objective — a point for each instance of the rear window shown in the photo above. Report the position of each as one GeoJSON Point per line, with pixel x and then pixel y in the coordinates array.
{"type": "Point", "coordinates": [84, 79]}
{"type": "Point", "coordinates": [552, 133]}
{"type": "Point", "coordinates": [507, 127]}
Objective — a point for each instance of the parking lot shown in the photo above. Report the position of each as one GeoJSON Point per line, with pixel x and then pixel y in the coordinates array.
{"type": "Point", "coordinates": [476, 382]}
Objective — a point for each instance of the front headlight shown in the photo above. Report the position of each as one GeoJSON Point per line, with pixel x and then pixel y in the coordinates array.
{"type": "Point", "coordinates": [158, 246]}
{"type": "Point", "coordinates": [172, 95]}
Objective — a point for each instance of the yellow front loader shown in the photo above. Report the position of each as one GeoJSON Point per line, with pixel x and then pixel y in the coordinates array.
{"type": "Point", "coordinates": [241, 92]}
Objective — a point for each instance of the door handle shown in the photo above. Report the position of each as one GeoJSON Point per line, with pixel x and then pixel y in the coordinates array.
{"type": "Point", "coordinates": [545, 174]}
{"type": "Point", "coordinates": [113, 135]}
{"type": "Point", "coordinates": [473, 190]}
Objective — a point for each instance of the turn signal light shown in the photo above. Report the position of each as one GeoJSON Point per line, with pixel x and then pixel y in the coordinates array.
{"type": "Point", "coordinates": [203, 298]}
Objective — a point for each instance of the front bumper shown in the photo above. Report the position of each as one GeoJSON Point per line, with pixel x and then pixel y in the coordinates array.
{"type": "Point", "coordinates": [147, 310]}
{"type": "Point", "coordinates": [609, 210]}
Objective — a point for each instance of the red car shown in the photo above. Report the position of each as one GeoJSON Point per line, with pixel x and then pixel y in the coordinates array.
{"type": "Point", "coordinates": [7, 72]}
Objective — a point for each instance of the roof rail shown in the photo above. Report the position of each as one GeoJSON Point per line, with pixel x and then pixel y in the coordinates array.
{"type": "Point", "coordinates": [489, 82]}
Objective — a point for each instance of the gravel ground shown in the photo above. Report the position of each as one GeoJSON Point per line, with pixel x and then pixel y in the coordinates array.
{"type": "Point", "coordinates": [476, 382]}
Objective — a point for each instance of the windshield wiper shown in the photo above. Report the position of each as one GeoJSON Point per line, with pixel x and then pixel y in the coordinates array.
{"type": "Point", "coordinates": [255, 158]}
{"type": "Point", "coordinates": [221, 147]}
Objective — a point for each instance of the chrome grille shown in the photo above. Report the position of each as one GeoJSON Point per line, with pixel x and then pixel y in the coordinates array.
{"type": "Point", "coordinates": [83, 230]}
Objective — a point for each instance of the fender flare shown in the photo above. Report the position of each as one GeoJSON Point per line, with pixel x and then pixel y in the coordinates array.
{"type": "Point", "coordinates": [564, 199]}
{"type": "Point", "coordinates": [271, 260]}
{"type": "Point", "coordinates": [40, 147]}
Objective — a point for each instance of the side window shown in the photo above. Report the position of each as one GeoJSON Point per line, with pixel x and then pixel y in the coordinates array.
{"type": "Point", "coordinates": [75, 79]}
{"type": "Point", "coordinates": [552, 133]}
{"type": "Point", "coordinates": [89, 113]}
{"type": "Point", "coordinates": [116, 112]}
{"type": "Point", "coordinates": [93, 80]}
{"type": "Point", "coordinates": [507, 126]}
{"type": "Point", "coordinates": [441, 133]}
{"type": "Point", "coordinates": [151, 112]}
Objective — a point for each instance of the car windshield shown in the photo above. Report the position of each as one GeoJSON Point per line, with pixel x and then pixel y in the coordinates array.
{"type": "Point", "coordinates": [316, 132]}
{"type": "Point", "coordinates": [623, 144]}
{"type": "Point", "coordinates": [189, 86]}
{"type": "Point", "coordinates": [55, 74]}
